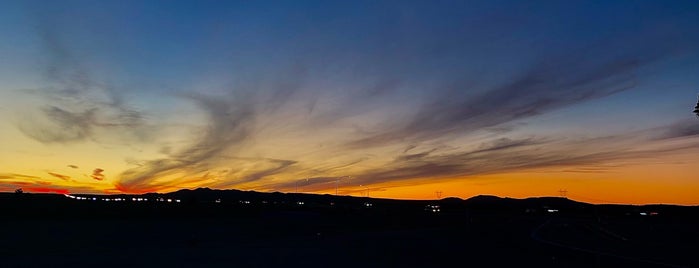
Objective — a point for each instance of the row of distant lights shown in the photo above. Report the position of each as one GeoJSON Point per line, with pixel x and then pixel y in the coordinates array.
{"type": "Point", "coordinates": [118, 199]}
{"type": "Point", "coordinates": [433, 208]}
{"type": "Point", "coordinates": [300, 203]}
{"type": "Point", "coordinates": [239, 201]}
{"type": "Point", "coordinates": [169, 200]}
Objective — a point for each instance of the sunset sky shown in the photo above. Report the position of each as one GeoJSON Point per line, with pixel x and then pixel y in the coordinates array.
{"type": "Point", "coordinates": [397, 99]}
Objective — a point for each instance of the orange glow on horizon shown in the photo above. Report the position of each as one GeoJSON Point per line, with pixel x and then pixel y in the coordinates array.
{"type": "Point", "coordinates": [44, 190]}
{"type": "Point", "coordinates": [667, 180]}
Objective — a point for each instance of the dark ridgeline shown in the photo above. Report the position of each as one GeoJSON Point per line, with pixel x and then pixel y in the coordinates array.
{"type": "Point", "coordinates": [246, 228]}
{"type": "Point", "coordinates": [696, 108]}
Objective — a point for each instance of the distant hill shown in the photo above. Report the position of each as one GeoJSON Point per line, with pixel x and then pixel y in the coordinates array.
{"type": "Point", "coordinates": [253, 199]}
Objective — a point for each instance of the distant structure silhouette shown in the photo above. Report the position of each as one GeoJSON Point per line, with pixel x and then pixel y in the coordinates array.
{"type": "Point", "coordinates": [439, 194]}
{"type": "Point", "coordinates": [696, 108]}
{"type": "Point", "coordinates": [563, 193]}
{"type": "Point", "coordinates": [19, 191]}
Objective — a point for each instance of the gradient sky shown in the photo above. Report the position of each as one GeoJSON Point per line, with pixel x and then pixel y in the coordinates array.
{"type": "Point", "coordinates": [396, 99]}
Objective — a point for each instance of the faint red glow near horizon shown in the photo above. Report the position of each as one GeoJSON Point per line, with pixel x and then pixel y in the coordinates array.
{"type": "Point", "coordinates": [44, 190]}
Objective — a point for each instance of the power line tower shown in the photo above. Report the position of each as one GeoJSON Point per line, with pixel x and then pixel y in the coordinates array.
{"type": "Point", "coordinates": [338, 180]}
{"type": "Point", "coordinates": [563, 193]}
{"type": "Point", "coordinates": [439, 194]}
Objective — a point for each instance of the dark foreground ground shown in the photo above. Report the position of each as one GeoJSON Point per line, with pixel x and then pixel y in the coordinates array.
{"type": "Point", "coordinates": [54, 231]}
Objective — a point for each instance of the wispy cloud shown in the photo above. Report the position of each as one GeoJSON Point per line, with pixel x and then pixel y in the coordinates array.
{"type": "Point", "coordinates": [12, 176]}
{"type": "Point", "coordinates": [230, 120]}
{"type": "Point", "coordinates": [680, 129]}
{"type": "Point", "coordinates": [61, 176]}
{"type": "Point", "coordinates": [97, 174]}
{"type": "Point", "coordinates": [601, 154]}
{"type": "Point", "coordinates": [61, 126]}
{"type": "Point", "coordinates": [556, 82]}
{"type": "Point", "coordinates": [11, 181]}
{"type": "Point", "coordinates": [278, 166]}
{"type": "Point", "coordinates": [74, 104]}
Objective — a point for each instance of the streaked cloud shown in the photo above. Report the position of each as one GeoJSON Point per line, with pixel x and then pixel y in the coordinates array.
{"type": "Point", "coordinates": [97, 174]}
{"type": "Point", "coordinates": [558, 81]}
{"type": "Point", "coordinates": [8, 176]}
{"type": "Point", "coordinates": [74, 105]}
{"type": "Point", "coordinates": [60, 176]}
{"type": "Point", "coordinates": [680, 129]}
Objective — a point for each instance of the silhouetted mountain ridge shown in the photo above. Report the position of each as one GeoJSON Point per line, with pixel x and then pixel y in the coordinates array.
{"type": "Point", "coordinates": [207, 195]}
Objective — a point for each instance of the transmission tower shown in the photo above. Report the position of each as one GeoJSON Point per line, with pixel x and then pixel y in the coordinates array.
{"type": "Point", "coordinates": [563, 193]}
